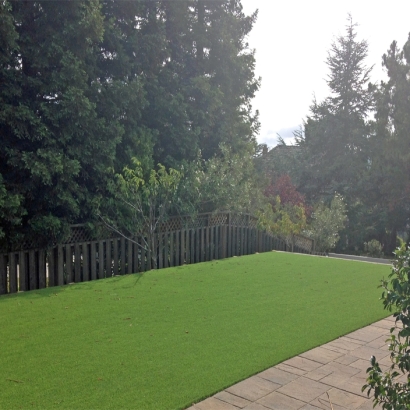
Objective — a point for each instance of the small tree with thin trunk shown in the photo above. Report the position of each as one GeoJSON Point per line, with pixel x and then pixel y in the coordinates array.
{"type": "Point", "coordinates": [139, 204]}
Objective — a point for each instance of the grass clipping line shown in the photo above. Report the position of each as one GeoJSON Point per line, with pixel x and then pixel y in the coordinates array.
{"type": "Point", "coordinates": [168, 338]}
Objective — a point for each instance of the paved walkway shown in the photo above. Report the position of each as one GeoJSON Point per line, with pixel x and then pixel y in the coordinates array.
{"type": "Point", "coordinates": [327, 377]}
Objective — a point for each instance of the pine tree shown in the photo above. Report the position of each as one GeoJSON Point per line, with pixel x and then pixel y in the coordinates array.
{"type": "Point", "coordinates": [336, 133]}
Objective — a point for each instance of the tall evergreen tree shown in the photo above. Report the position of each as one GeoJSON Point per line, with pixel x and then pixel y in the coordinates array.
{"type": "Point", "coordinates": [390, 170]}
{"type": "Point", "coordinates": [55, 147]}
{"type": "Point", "coordinates": [336, 133]}
{"type": "Point", "coordinates": [200, 95]}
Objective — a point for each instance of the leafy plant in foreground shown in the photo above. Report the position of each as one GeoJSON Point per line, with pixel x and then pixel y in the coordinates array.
{"type": "Point", "coordinates": [391, 388]}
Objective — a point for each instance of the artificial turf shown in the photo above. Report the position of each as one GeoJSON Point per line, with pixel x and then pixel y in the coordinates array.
{"type": "Point", "coordinates": [167, 338]}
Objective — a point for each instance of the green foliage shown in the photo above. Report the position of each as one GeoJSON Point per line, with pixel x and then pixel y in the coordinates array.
{"type": "Point", "coordinates": [326, 223]}
{"type": "Point", "coordinates": [88, 85]}
{"type": "Point", "coordinates": [389, 179]}
{"type": "Point", "coordinates": [283, 220]}
{"type": "Point", "coordinates": [139, 203]}
{"type": "Point", "coordinates": [373, 248]}
{"type": "Point", "coordinates": [391, 388]}
{"type": "Point", "coordinates": [10, 209]}
{"type": "Point", "coordinates": [53, 137]}
{"type": "Point", "coordinates": [225, 182]}
{"type": "Point", "coordinates": [335, 139]}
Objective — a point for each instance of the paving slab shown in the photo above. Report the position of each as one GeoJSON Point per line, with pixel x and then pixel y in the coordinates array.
{"type": "Point", "coordinates": [304, 389]}
{"type": "Point", "coordinates": [366, 352]}
{"type": "Point", "coordinates": [384, 323]}
{"type": "Point", "coordinates": [346, 359]}
{"type": "Point", "coordinates": [380, 343]}
{"type": "Point", "coordinates": [345, 343]}
{"type": "Point", "coordinates": [255, 406]}
{"type": "Point", "coordinates": [321, 355]}
{"type": "Point", "coordinates": [302, 363]}
{"type": "Point", "coordinates": [319, 373]}
{"type": "Point", "coordinates": [278, 376]}
{"type": "Point", "coordinates": [212, 403]}
{"type": "Point", "coordinates": [279, 401]}
{"type": "Point", "coordinates": [291, 369]}
{"type": "Point", "coordinates": [368, 334]}
{"type": "Point", "coordinates": [341, 398]}
{"type": "Point", "coordinates": [337, 369]}
{"type": "Point", "coordinates": [253, 388]}
{"type": "Point", "coordinates": [232, 399]}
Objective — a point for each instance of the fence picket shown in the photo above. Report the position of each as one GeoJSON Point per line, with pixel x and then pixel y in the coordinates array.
{"type": "Point", "coordinates": [93, 260]}
{"type": "Point", "coordinates": [86, 261]}
{"type": "Point", "coordinates": [3, 274]}
{"type": "Point", "coordinates": [177, 248]}
{"type": "Point", "coordinates": [69, 263]}
{"type": "Point", "coordinates": [23, 274]}
{"type": "Point", "coordinates": [51, 261]}
{"type": "Point", "coordinates": [143, 255]}
{"type": "Point", "coordinates": [135, 254]}
{"type": "Point", "coordinates": [182, 252]}
{"type": "Point", "coordinates": [12, 273]}
{"type": "Point", "coordinates": [32, 270]}
{"type": "Point", "coordinates": [115, 256]}
{"type": "Point", "coordinates": [129, 257]}
{"type": "Point", "coordinates": [101, 260]}
{"type": "Point", "coordinates": [60, 265]}
{"type": "Point", "coordinates": [122, 257]}
{"type": "Point", "coordinates": [160, 250]}
{"type": "Point", "coordinates": [42, 274]}
{"type": "Point", "coordinates": [166, 249]}
{"type": "Point", "coordinates": [171, 249]}
{"type": "Point", "coordinates": [77, 263]}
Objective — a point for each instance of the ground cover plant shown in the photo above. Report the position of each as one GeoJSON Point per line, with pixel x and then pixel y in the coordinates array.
{"type": "Point", "coordinates": [167, 338]}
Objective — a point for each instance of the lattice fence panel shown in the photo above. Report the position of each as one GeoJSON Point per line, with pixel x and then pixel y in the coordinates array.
{"type": "Point", "coordinates": [218, 219]}
{"type": "Point", "coordinates": [172, 224]}
{"type": "Point", "coordinates": [79, 234]}
{"type": "Point", "coordinates": [199, 222]}
{"type": "Point", "coordinates": [253, 222]}
{"type": "Point", "coordinates": [239, 220]}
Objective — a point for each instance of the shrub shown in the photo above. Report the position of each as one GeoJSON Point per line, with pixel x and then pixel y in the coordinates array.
{"type": "Point", "coordinates": [391, 388]}
{"type": "Point", "coordinates": [326, 224]}
{"type": "Point", "coordinates": [373, 248]}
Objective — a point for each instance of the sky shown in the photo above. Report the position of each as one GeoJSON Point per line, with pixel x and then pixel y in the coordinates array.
{"type": "Point", "coordinates": [292, 40]}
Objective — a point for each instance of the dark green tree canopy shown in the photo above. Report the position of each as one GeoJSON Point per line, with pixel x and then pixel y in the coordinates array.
{"type": "Point", "coordinates": [336, 132]}
{"type": "Point", "coordinates": [88, 85]}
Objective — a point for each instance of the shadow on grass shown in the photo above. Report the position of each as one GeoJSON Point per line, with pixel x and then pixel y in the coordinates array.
{"type": "Point", "coordinates": [81, 286]}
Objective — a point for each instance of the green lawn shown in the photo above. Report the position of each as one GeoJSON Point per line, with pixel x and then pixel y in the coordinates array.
{"type": "Point", "coordinates": [167, 338]}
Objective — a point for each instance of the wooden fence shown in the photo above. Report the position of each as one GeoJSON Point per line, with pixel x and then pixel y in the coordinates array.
{"type": "Point", "coordinates": [181, 240]}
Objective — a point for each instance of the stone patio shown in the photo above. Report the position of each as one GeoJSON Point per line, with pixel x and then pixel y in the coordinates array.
{"type": "Point", "coordinates": [327, 377]}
